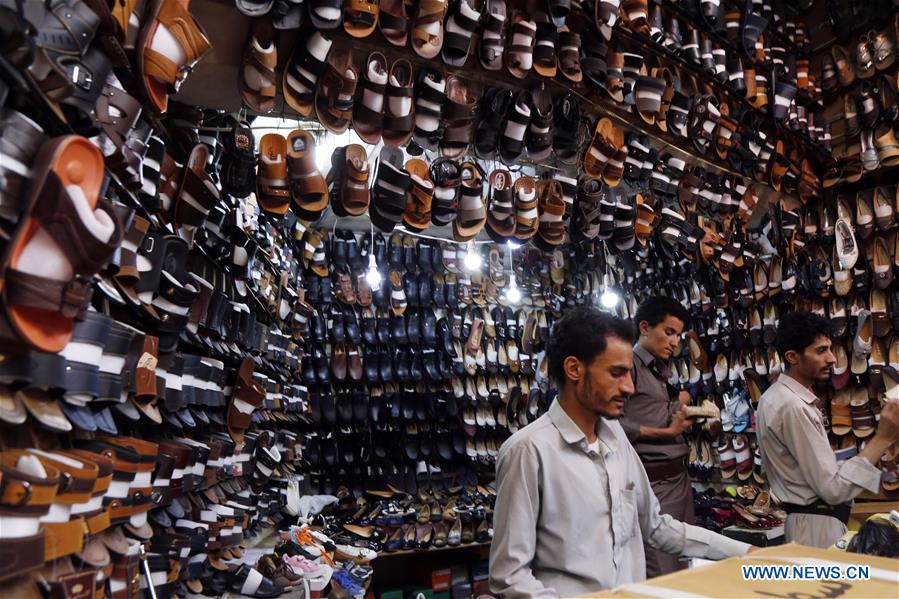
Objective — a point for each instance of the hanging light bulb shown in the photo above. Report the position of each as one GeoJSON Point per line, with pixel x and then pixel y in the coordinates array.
{"type": "Point", "coordinates": [513, 294]}
{"type": "Point", "coordinates": [373, 276]}
{"type": "Point", "coordinates": [609, 298]}
{"type": "Point", "coordinates": [472, 258]}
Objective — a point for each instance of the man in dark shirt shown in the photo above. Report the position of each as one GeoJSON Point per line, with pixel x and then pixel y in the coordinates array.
{"type": "Point", "coordinates": [654, 421]}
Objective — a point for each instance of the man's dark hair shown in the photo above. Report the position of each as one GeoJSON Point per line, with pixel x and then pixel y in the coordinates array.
{"type": "Point", "coordinates": [582, 333]}
{"type": "Point", "coordinates": [655, 309]}
{"type": "Point", "coordinates": [798, 330]}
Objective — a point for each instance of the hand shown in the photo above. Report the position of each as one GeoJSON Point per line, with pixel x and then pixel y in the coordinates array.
{"type": "Point", "coordinates": [679, 423]}
{"type": "Point", "coordinates": [889, 422]}
{"type": "Point", "coordinates": [684, 397]}
{"type": "Point", "coordinates": [753, 549]}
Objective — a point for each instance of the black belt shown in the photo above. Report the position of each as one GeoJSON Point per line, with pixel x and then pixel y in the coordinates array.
{"type": "Point", "coordinates": [840, 512]}
{"type": "Point", "coordinates": [661, 470]}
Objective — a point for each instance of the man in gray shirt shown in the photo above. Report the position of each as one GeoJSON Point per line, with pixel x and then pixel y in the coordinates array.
{"type": "Point", "coordinates": [654, 422]}
{"type": "Point", "coordinates": [797, 458]}
{"type": "Point", "coordinates": [574, 505]}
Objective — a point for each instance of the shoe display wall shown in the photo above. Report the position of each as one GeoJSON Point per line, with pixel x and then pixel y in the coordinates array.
{"type": "Point", "coordinates": [218, 330]}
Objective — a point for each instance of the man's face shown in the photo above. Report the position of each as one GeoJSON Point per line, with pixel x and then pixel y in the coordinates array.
{"type": "Point", "coordinates": [817, 361]}
{"type": "Point", "coordinates": [662, 339]}
{"type": "Point", "coordinates": [604, 384]}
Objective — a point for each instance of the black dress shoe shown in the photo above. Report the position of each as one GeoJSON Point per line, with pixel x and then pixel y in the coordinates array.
{"type": "Point", "coordinates": [381, 293]}
{"type": "Point", "coordinates": [369, 328]}
{"type": "Point", "coordinates": [336, 325]}
{"type": "Point", "coordinates": [413, 326]}
{"type": "Point", "coordinates": [425, 290]}
{"type": "Point", "coordinates": [395, 251]}
{"type": "Point", "coordinates": [425, 249]}
{"type": "Point", "coordinates": [383, 329]}
{"type": "Point", "coordinates": [410, 285]}
{"type": "Point", "coordinates": [439, 292]}
{"type": "Point", "coordinates": [322, 370]}
{"type": "Point", "coordinates": [415, 367]}
{"type": "Point", "coordinates": [351, 325]}
{"type": "Point", "coordinates": [370, 365]}
{"type": "Point", "coordinates": [401, 366]}
{"type": "Point", "coordinates": [345, 409]}
{"type": "Point", "coordinates": [452, 300]}
{"type": "Point", "coordinates": [437, 259]}
{"type": "Point", "coordinates": [385, 366]}
{"type": "Point", "coordinates": [328, 409]}
{"type": "Point", "coordinates": [354, 254]}
{"type": "Point", "coordinates": [380, 250]}
{"type": "Point", "coordinates": [339, 250]}
{"type": "Point", "coordinates": [318, 325]}
{"type": "Point", "coordinates": [429, 328]}
{"type": "Point", "coordinates": [409, 254]}
{"type": "Point", "coordinates": [429, 363]}
{"type": "Point", "coordinates": [398, 329]}
{"type": "Point", "coordinates": [444, 337]}
{"type": "Point", "coordinates": [499, 320]}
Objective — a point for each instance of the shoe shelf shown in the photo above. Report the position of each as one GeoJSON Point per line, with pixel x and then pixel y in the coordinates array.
{"type": "Point", "coordinates": [430, 550]}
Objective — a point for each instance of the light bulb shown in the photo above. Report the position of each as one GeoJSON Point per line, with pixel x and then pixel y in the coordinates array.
{"type": "Point", "coordinates": [513, 295]}
{"type": "Point", "coordinates": [609, 299]}
{"type": "Point", "coordinates": [472, 259]}
{"type": "Point", "coordinates": [373, 276]}
{"type": "Point", "coordinates": [513, 244]}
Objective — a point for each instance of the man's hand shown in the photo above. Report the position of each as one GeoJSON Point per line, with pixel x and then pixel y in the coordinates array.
{"type": "Point", "coordinates": [679, 423]}
{"type": "Point", "coordinates": [684, 397]}
{"type": "Point", "coordinates": [889, 422]}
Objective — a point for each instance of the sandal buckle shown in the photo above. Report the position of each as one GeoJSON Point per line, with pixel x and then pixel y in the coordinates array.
{"type": "Point", "coordinates": [82, 78]}
{"type": "Point", "coordinates": [75, 296]}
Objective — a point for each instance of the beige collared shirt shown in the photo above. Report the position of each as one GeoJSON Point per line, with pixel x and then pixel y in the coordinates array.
{"type": "Point", "coordinates": [796, 456]}
{"type": "Point", "coordinates": [570, 521]}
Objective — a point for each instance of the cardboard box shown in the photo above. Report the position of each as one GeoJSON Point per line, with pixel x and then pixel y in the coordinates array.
{"type": "Point", "coordinates": [441, 579]}
{"type": "Point", "coordinates": [724, 579]}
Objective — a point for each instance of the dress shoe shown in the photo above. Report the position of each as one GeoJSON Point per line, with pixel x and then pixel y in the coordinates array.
{"type": "Point", "coordinates": [398, 329]}
{"type": "Point", "coordinates": [351, 325]}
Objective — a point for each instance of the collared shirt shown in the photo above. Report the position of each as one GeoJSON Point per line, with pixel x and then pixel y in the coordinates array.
{"type": "Point", "coordinates": [796, 456]}
{"type": "Point", "coordinates": [651, 405]}
{"type": "Point", "coordinates": [569, 521]}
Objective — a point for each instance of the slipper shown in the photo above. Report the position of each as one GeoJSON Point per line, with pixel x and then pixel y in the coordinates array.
{"type": "Point", "coordinates": [427, 28]}
{"type": "Point", "coordinates": [272, 187]}
{"type": "Point", "coordinates": [160, 75]}
{"type": "Point", "coordinates": [567, 129]}
{"type": "Point", "coordinates": [393, 18]}
{"type": "Point", "coordinates": [68, 233]}
{"type": "Point", "coordinates": [257, 76]}
{"type": "Point", "coordinates": [360, 17]}
{"type": "Point", "coordinates": [302, 72]}
{"type": "Point", "coordinates": [307, 186]}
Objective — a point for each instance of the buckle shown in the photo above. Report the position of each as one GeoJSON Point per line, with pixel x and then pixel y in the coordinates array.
{"type": "Point", "coordinates": [81, 77]}
{"type": "Point", "coordinates": [27, 495]}
{"type": "Point", "coordinates": [75, 296]}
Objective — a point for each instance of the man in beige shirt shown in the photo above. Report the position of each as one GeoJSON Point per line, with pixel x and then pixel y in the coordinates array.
{"type": "Point", "coordinates": [574, 505]}
{"type": "Point", "coordinates": [797, 458]}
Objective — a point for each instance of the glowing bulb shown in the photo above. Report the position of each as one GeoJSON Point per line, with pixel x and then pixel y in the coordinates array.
{"type": "Point", "coordinates": [609, 299]}
{"type": "Point", "coordinates": [472, 259]}
{"type": "Point", "coordinates": [513, 295]}
{"type": "Point", "coordinates": [513, 244]}
{"type": "Point", "coordinates": [373, 276]}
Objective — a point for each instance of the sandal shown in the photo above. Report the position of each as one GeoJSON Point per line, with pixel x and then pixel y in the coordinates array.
{"type": "Point", "coordinates": [427, 28]}
{"type": "Point", "coordinates": [458, 118]}
{"type": "Point", "coordinates": [519, 56]}
{"type": "Point", "coordinates": [417, 216]}
{"type": "Point", "coordinates": [348, 179]}
{"type": "Point", "coordinates": [68, 233]}
{"type": "Point", "coordinates": [501, 207]}
{"type": "Point", "coordinates": [307, 186]}
{"type": "Point", "coordinates": [494, 106]}
{"type": "Point", "coordinates": [566, 133]}
{"type": "Point", "coordinates": [388, 195]}
{"type": "Point", "coordinates": [545, 59]}
{"type": "Point", "coordinates": [399, 111]}
{"type": "Point", "coordinates": [368, 109]}
{"type": "Point", "coordinates": [607, 139]}
{"type": "Point", "coordinates": [360, 17]}
{"type": "Point", "coordinates": [238, 163]}
{"type": "Point", "coordinates": [490, 50]}
{"type": "Point", "coordinates": [393, 18]}
{"type": "Point", "coordinates": [257, 76]}
{"type": "Point", "coordinates": [197, 194]}
{"type": "Point", "coordinates": [472, 213]}
{"type": "Point", "coordinates": [325, 14]}
{"type": "Point", "coordinates": [559, 11]}
{"type": "Point", "coordinates": [540, 128]}
{"type": "Point", "coordinates": [302, 72]}
{"type": "Point", "coordinates": [160, 75]}
{"type": "Point", "coordinates": [569, 55]}
{"type": "Point", "coordinates": [511, 145]}
{"type": "Point", "coordinates": [272, 187]}
{"type": "Point", "coordinates": [447, 177]}
{"type": "Point", "coordinates": [334, 92]}
{"type": "Point", "coordinates": [461, 23]}
{"type": "Point", "coordinates": [526, 213]}
{"type": "Point", "coordinates": [551, 208]}
{"type": "Point", "coordinates": [430, 98]}
{"type": "Point", "coordinates": [590, 207]}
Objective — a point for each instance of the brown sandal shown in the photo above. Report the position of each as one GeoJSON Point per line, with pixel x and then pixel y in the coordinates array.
{"type": "Point", "coordinates": [246, 398]}
{"type": "Point", "coordinates": [360, 17]}
{"type": "Point", "coordinates": [458, 120]}
{"type": "Point", "coordinates": [272, 190]}
{"type": "Point", "coordinates": [307, 186]}
{"type": "Point", "coordinates": [399, 106]}
{"type": "Point", "coordinates": [551, 209]}
{"type": "Point", "coordinates": [393, 18]}
{"type": "Point", "coordinates": [348, 179]}
{"type": "Point", "coordinates": [501, 208]}
{"type": "Point", "coordinates": [427, 29]}
{"type": "Point", "coordinates": [417, 216]}
{"type": "Point", "coordinates": [335, 90]}
{"type": "Point", "coordinates": [368, 118]}
{"type": "Point", "coordinates": [472, 213]}
{"type": "Point", "coordinates": [257, 76]}
{"type": "Point", "coordinates": [526, 213]}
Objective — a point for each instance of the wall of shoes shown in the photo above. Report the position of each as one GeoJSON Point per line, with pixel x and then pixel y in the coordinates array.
{"type": "Point", "coordinates": [227, 369]}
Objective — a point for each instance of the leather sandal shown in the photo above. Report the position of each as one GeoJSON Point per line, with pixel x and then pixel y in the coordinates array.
{"type": "Point", "coordinates": [348, 179]}
{"type": "Point", "coordinates": [360, 17]}
{"type": "Point", "coordinates": [446, 175]}
{"type": "Point", "coordinates": [41, 297]}
{"type": "Point", "coordinates": [160, 75]}
{"type": "Point", "coordinates": [490, 47]}
{"type": "Point", "coordinates": [526, 212]}
{"type": "Point", "coordinates": [566, 130]}
{"type": "Point", "coordinates": [545, 57]}
{"type": "Point", "coordinates": [389, 191]}
{"type": "Point", "coordinates": [307, 185]}
{"type": "Point", "coordinates": [472, 213]}
{"type": "Point", "coordinates": [394, 21]}
{"type": "Point", "coordinates": [427, 28]}
{"type": "Point", "coordinates": [551, 209]}
{"type": "Point", "coordinates": [461, 23]}
{"type": "Point", "coordinates": [501, 207]}
{"type": "Point", "coordinates": [430, 99]}
{"type": "Point", "coordinates": [257, 75]}
{"type": "Point", "coordinates": [399, 109]}
{"type": "Point", "coordinates": [417, 216]}
{"type": "Point", "coordinates": [301, 74]}
{"type": "Point", "coordinates": [369, 107]}
{"type": "Point", "coordinates": [458, 119]}
{"type": "Point", "coordinates": [335, 91]}
{"type": "Point", "coordinates": [519, 56]}
{"type": "Point", "coordinates": [539, 135]}
{"type": "Point", "coordinates": [272, 185]}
